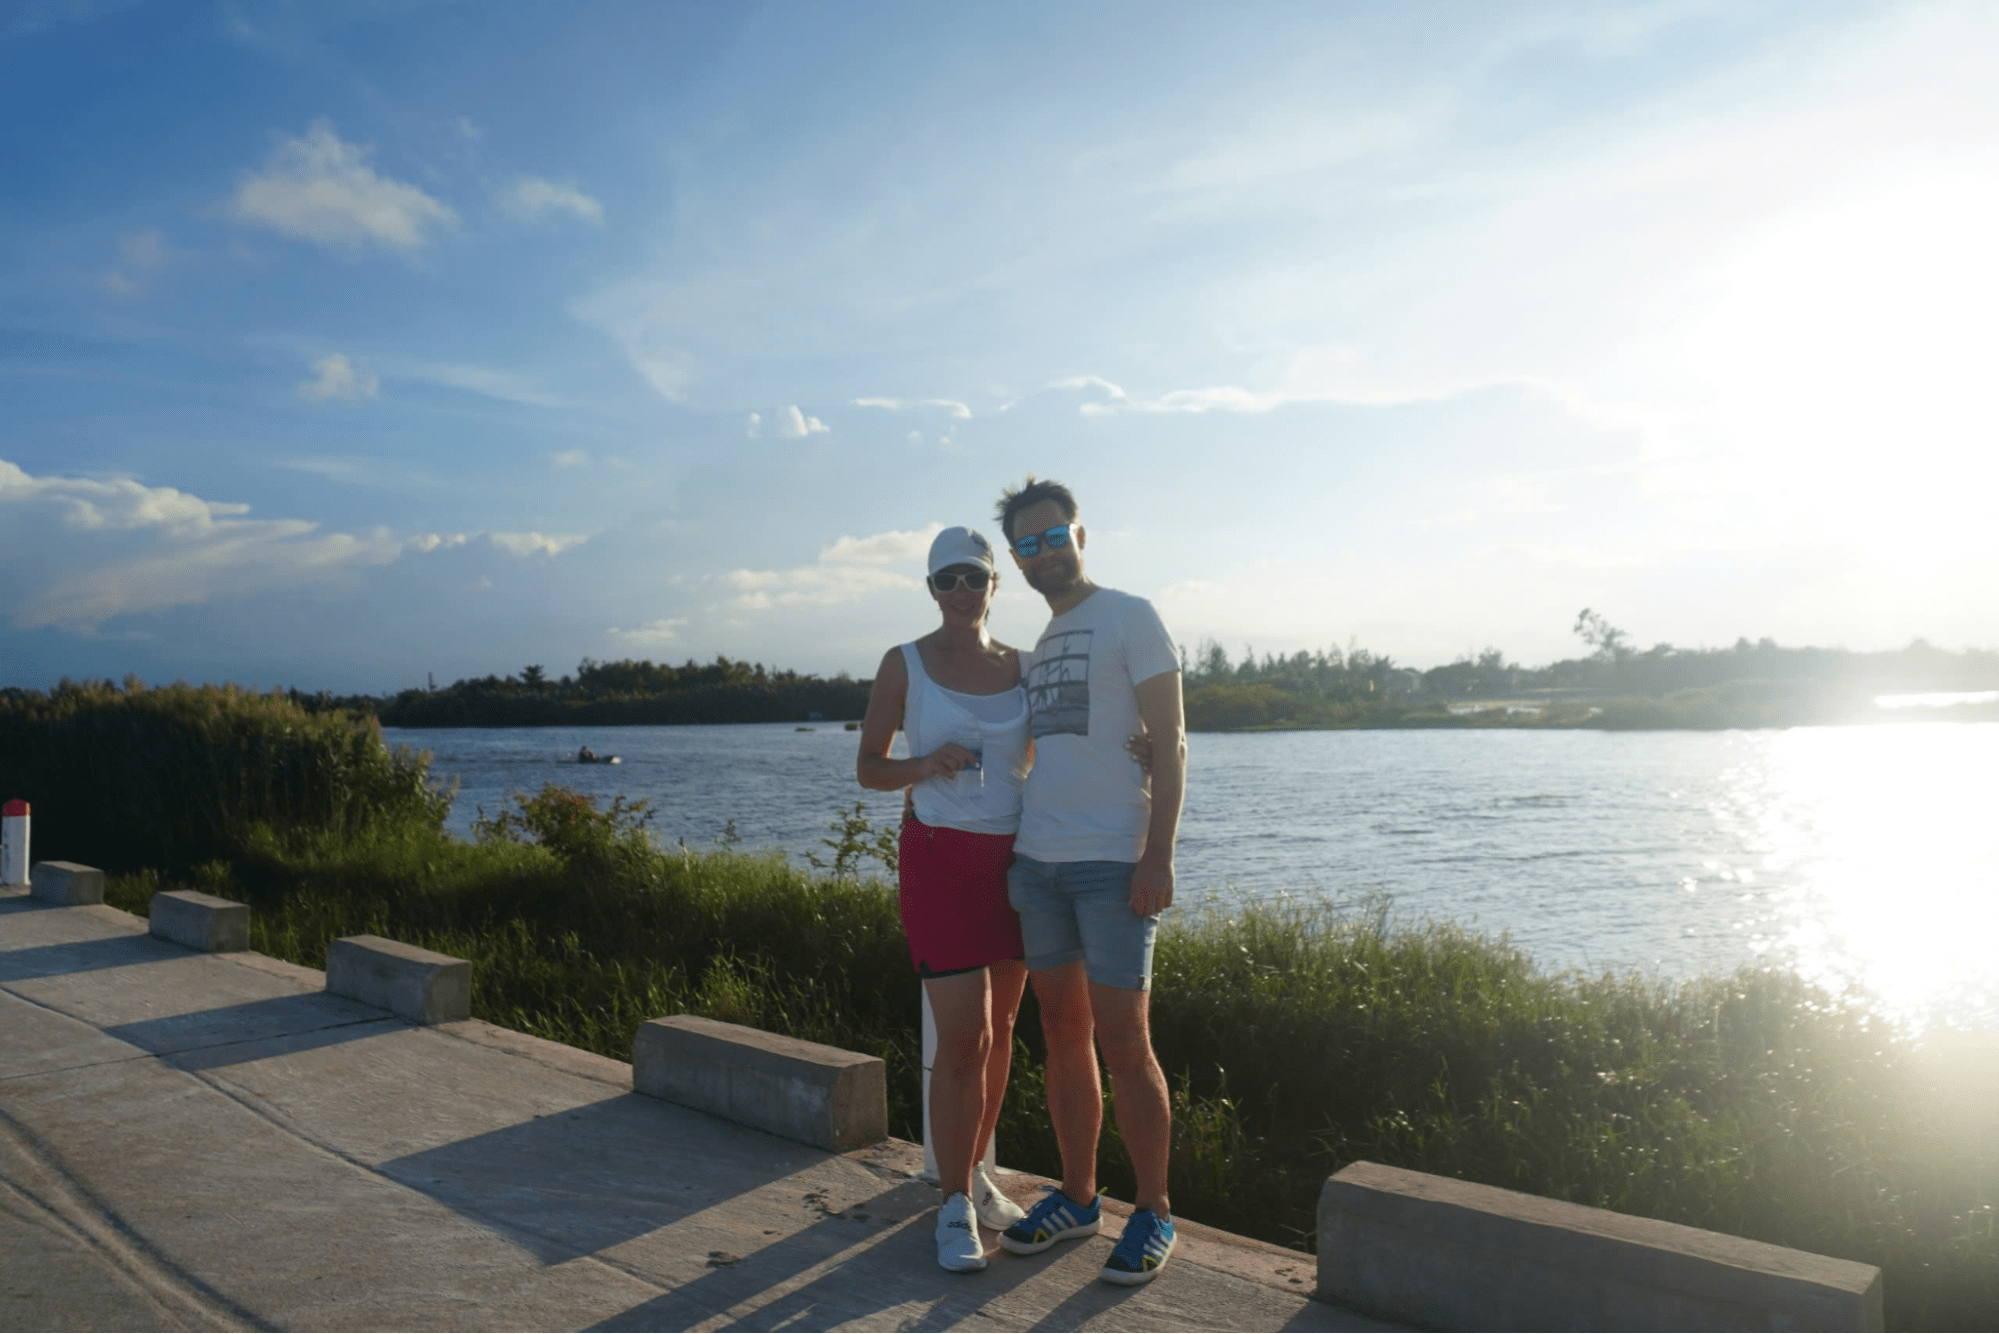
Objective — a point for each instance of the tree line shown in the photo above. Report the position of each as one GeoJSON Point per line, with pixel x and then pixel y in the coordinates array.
{"type": "Point", "coordinates": [612, 693]}
{"type": "Point", "coordinates": [1611, 684]}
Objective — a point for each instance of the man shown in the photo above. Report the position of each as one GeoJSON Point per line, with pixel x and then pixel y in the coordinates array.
{"type": "Point", "coordinates": [1092, 871]}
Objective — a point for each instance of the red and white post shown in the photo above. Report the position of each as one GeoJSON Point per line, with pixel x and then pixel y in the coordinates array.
{"type": "Point", "coordinates": [14, 843]}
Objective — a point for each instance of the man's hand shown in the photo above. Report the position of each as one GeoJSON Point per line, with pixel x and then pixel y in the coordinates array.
{"type": "Point", "coordinates": [1152, 885]}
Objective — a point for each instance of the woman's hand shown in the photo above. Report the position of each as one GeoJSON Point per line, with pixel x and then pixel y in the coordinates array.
{"type": "Point", "coordinates": [945, 761]}
{"type": "Point", "coordinates": [1139, 747]}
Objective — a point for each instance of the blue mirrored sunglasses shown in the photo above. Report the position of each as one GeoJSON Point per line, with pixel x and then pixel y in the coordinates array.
{"type": "Point", "coordinates": [1028, 547]}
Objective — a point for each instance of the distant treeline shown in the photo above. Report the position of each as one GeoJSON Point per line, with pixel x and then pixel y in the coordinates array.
{"type": "Point", "coordinates": [1760, 684]}
{"type": "Point", "coordinates": [602, 693]}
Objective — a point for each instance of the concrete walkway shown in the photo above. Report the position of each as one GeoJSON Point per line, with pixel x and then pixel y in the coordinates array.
{"type": "Point", "coordinates": [196, 1141]}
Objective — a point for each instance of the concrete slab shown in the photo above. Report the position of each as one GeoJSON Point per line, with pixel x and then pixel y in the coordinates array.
{"type": "Point", "coordinates": [36, 1040]}
{"type": "Point", "coordinates": [178, 1000]}
{"type": "Point", "coordinates": [67, 884]}
{"type": "Point", "coordinates": [419, 984]}
{"type": "Point", "coordinates": [200, 921]}
{"type": "Point", "coordinates": [264, 1161]}
{"type": "Point", "coordinates": [66, 1267]}
{"type": "Point", "coordinates": [1459, 1255]}
{"type": "Point", "coordinates": [805, 1091]}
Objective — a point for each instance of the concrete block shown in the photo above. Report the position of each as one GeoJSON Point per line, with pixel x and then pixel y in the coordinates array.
{"type": "Point", "coordinates": [199, 921]}
{"type": "Point", "coordinates": [804, 1091]}
{"type": "Point", "coordinates": [1447, 1254]}
{"type": "Point", "coordinates": [66, 883]}
{"type": "Point", "coordinates": [420, 985]}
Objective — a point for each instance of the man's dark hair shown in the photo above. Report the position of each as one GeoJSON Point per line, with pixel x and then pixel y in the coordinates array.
{"type": "Point", "coordinates": [1015, 499]}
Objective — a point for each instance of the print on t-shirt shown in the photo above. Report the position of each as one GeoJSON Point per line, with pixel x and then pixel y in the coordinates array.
{"type": "Point", "coordinates": [1058, 685]}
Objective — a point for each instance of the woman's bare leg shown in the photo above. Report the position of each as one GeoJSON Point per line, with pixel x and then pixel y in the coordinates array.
{"type": "Point", "coordinates": [960, 1006]}
{"type": "Point", "coordinates": [1008, 980]}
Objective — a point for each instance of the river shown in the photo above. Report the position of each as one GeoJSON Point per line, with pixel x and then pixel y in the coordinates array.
{"type": "Point", "coordinates": [1863, 856]}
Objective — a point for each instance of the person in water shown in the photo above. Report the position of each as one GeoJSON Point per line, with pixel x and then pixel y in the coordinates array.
{"type": "Point", "coordinates": [585, 755]}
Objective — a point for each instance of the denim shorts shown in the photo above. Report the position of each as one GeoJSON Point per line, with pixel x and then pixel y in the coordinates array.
{"type": "Point", "coordinates": [1082, 910]}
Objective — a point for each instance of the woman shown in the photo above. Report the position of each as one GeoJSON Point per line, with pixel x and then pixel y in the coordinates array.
{"type": "Point", "coordinates": [956, 695]}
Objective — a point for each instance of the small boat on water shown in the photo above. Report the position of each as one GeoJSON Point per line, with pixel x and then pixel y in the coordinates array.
{"type": "Point", "coordinates": [585, 758]}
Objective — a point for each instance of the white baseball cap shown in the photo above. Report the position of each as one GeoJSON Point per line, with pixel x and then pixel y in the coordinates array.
{"type": "Point", "coordinates": [961, 546]}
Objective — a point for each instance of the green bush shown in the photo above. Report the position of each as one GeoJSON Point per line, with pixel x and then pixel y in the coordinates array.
{"type": "Point", "coordinates": [177, 775]}
{"type": "Point", "coordinates": [569, 825]}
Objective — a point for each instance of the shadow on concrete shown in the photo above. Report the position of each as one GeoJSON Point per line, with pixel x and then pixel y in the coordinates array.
{"type": "Point", "coordinates": [576, 1182]}
{"type": "Point", "coordinates": [253, 1030]}
{"type": "Point", "coordinates": [882, 1256]}
{"type": "Point", "coordinates": [84, 956]}
{"type": "Point", "coordinates": [1316, 1316]}
{"type": "Point", "coordinates": [20, 902]}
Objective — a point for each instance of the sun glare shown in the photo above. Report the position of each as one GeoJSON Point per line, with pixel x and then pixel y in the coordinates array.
{"type": "Point", "coordinates": [1888, 837]}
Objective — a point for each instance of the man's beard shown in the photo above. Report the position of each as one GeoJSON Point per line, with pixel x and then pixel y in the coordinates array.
{"type": "Point", "coordinates": [1055, 578]}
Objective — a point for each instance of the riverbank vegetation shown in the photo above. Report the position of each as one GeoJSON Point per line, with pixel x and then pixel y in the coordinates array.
{"type": "Point", "coordinates": [618, 693]}
{"type": "Point", "coordinates": [1297, 1037]}
{"type": "Point", "coordinates": [1613, 686]}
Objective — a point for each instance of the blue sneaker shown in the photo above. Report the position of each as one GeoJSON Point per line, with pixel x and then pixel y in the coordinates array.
{"type": "Point", "coordinates": [1054, 1217]}
{"type": "Point", "coordinates": [1142, 1252]}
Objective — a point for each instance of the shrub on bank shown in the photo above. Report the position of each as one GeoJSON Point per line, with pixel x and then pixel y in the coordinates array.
{"type": "Point", "coordinates": [172, 776]}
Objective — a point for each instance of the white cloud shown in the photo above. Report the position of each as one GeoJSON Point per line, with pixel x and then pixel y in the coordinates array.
{"type": "Point", "coordinates": [850, 570]}
{"type": "Point", "coordinates": [651, 634]}
{"type": "Point", "coordinates": [1097, 382]}
{"type": "Point", "coordinates": [882, 548]}
{"type": "Point", "coordinates": [754, 426]}
{"type": "Point", "coordinates": [1316, 375]}
{"type": "Point", "coordinates": [955, 408]}
{"type": "Point", "coordinates": [318, 188]}
{"type": "Point", "coordinates": [488, 382]}
{"type": "Point", "coordinates": [83, 550]}
{"type": "Point", "coordinates": [468, 129]}
{"type": "Point", "coordinates": [570, 458]}
{"type": "Point", "coordinates": [795, 425]}
{"type": "Point", "coordinates": [337, 378]}
{"type": "Point", "coordinates": [439, 541]}
{"type": "Point", "coordinates": [530, 197]}
{"type": "Point", "coordinates": [528, 544]}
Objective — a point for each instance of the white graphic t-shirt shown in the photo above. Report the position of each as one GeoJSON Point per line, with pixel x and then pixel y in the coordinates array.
{"type": "Point", "coordinates": [1086, 799]}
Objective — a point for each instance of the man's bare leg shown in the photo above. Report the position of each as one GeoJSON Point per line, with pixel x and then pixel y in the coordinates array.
{"type": "Point", "coordinates": [1144, 1107]}
{"type": "Point", "coordinates": [1075, 1087]}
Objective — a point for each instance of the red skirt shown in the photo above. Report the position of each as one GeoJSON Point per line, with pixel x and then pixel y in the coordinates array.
{"type": "Point", "coordinates": [951, 886]}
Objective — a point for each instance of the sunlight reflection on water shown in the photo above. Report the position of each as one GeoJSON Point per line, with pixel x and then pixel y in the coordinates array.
{"type": "Point", "coordinates": [1889, 847]}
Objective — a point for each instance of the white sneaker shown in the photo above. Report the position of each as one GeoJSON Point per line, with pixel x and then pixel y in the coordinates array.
{"type": "Point", "coordinates": [995, 1210]}
{"type": "Point", "coordinates": [958, 1246]}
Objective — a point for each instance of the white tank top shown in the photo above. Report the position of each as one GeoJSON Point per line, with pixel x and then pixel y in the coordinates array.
{"type": "Point", "coordinates": [984, 800]}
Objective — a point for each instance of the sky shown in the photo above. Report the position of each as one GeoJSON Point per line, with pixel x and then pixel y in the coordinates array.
{"type": "Point", "coordinates": [347, 344]}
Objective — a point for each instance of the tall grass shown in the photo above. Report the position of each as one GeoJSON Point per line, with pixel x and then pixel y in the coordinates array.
{"type": "Point", "coordinates": [126, 777]}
